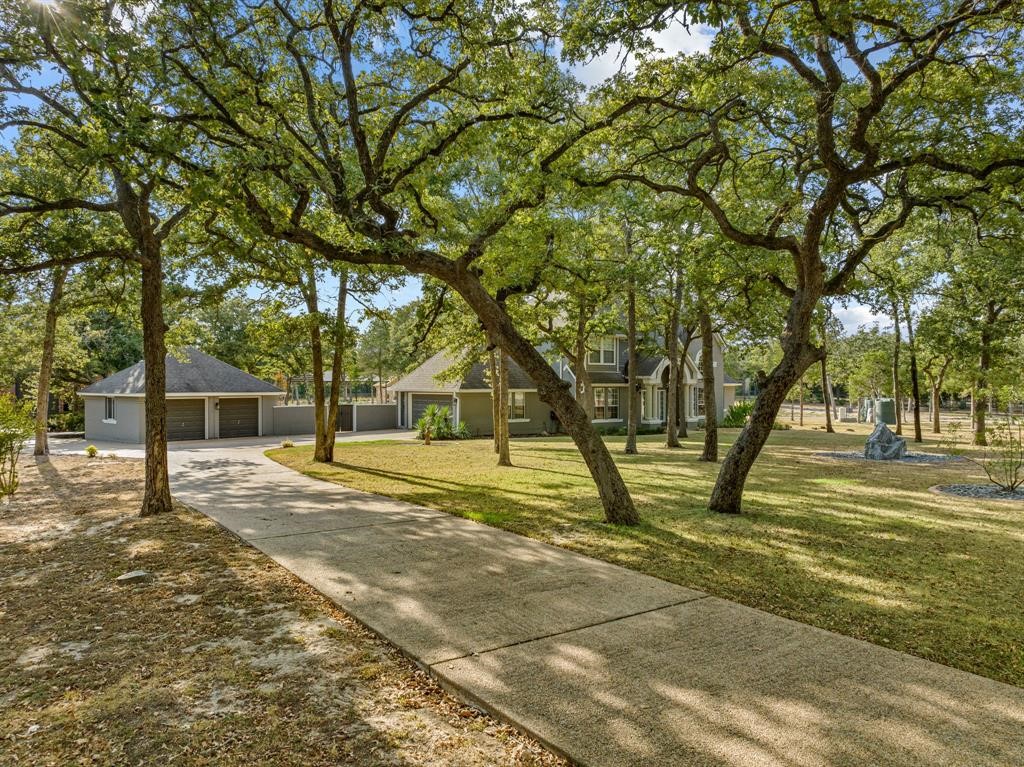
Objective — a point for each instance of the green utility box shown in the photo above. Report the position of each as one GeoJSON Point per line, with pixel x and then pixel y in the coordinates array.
{"type": "Point", "coordinates": [885, 411]}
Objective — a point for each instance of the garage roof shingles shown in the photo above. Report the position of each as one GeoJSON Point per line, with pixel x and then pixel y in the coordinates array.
{"type": "Point", "coordinates": [429, 377]}
{"type": "Point", "coordinates": [198, 374]}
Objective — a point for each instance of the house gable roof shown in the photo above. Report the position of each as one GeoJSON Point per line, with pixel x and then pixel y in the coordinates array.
{"type": "Point", "coordinates": [427, 377]}
{"type": "Point", "coordinates": [196, 373]}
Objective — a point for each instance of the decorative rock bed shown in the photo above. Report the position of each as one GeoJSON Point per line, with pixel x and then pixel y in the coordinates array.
{"type": "Point", "coordinates": [981, 492]}
{"type": "Point", "coordinates": [908, 458]}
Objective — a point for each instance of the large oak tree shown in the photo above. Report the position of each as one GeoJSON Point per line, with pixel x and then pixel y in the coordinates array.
{"type": "Point", "coordinates": [811, 132]}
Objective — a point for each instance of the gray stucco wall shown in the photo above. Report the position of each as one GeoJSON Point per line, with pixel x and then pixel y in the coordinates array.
{"type": "Point", "coordinates": [371, 417]}
{"type": "Point", "coordinates": [290, 420]}
{"type": "Point", "coordinates": [129, 414]}
{"type": "Point", "coordinates": [299, 419]}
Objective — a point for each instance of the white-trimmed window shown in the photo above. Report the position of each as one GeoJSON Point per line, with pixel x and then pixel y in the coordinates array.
{"type": "Point", "coordinates": [698, 400]}
{"type": "Point", "coordinates": [517, 406]}
{"type": "Point", "coordinates": [606, 403]}
{"type": "Point", "coordinates": [603, 352]}
{"type": "Point", "coordinates": [109, 409]}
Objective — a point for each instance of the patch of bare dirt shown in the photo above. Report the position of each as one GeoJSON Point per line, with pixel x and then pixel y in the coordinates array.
{"type": "Point", "coordinates": [222, 658]}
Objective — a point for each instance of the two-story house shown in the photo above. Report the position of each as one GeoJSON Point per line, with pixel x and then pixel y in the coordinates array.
{"type": "Point", "coordinates": [469, 397]}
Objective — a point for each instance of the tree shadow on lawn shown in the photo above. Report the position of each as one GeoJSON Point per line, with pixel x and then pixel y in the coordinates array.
{"type": "Point", "coordinates": [862, 549]}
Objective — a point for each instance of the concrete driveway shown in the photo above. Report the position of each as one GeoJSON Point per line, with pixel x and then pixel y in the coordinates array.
{"type": "Point", "coordinates": [175, 449]}
{"type": "Point", "coordinates": [603, 664]}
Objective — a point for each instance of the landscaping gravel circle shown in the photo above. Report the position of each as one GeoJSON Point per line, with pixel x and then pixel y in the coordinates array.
{"type": "Point", "coordinates": [908, 458]}
{"type": "Point", "coordinates": [984, 492]}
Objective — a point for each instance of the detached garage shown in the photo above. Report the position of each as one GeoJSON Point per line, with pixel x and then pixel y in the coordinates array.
{"type": "Point", "coordinates": [206, 399]}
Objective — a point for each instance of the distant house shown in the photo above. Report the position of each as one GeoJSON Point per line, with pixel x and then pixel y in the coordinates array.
{"type": "Point", "coordinates": [469, 398]}
{"type": "Point", "coordinates": [206, 399]}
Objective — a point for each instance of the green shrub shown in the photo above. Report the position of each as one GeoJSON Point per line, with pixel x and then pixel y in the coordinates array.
{"type": "Point", "coordinates": [74, 421]}
{"type": "Point", "coordinates": [287, 443]}
{"type": "Point", "coordinates": [737, 414]}
{"type": "Point", "coordinates": [16, 426]}
{"type": "Point", "coordinates": [436, 423]}
{"type": "Point", "coordinates": [782, 426]}
{"type": "Point", "coordinates": [1002, 459]}
{"type": "Point", "coordinates": [92, 451]}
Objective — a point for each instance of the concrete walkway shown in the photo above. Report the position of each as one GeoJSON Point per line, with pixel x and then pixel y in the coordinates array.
{"type": "Point", "coordinates": [604, 665]}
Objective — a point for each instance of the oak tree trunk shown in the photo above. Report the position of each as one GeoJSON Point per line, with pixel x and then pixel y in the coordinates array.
{"type": "Point", "coordinates": [682, 402]}
{"type": "Point", "coordinates": [337, 369]}
{"type": "Point", "coordinates": [321, 449]}
{"type": "Point", "coordinates": [42, 446]}
{"type": "Point", "coordinates": [979, 397]}
{"type": "Point", "coordinates": [915, 384]}
{"type": "Point", "coordinates": [672, 351]}
{"type": "Point", "coordinates": [707, 361]}
{"type": "Point", "coordinates": [936, 384]}
{"type": "Point", "coordinates": [897, 341]}
{"type": "Point", "coordinates": [552, 390]}
{"type": "Point", "coordinates": [157, 496]}
{"type": "Point", "coordinates": [492, 363]}
{"type": "Point", "coordinates": [632, 382]}
{"type": "Point", "coordinates": [798, 354]}
{"type": "Point", "coordinates": [504, 456]}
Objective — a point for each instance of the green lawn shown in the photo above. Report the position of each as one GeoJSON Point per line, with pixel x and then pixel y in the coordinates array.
{"type": "Point", "coordinates": [863, 549]}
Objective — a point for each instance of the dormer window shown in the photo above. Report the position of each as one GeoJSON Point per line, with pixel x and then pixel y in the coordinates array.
{"type": "Point", "coordinates": [603, 352]}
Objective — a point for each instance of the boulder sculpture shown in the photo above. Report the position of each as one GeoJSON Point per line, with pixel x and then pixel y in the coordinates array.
{"type": "Point", "coordinates": [883, 445]}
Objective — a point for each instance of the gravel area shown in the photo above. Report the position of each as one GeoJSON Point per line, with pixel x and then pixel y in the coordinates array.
{"type": "Point", "coordinates": [985, 492]}
{"type": "Point", "coordinates": [850, 455]}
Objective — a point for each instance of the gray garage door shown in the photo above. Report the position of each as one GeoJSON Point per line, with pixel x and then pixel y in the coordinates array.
{"type": "Point", "coordinates": [420, 402]}
{"type": "Point", "coordinates": [239, 417]}
{"type": "Point", "coordinates": [186, 419]}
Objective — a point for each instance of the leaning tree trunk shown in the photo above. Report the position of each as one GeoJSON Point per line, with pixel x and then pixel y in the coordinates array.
{"type": "Point", "coordinates": [492, 364]}
{"type": "Point", "coordinates": [707, 363]}
{"type": "Point", "coordinates": [504, 455]}
{"type": "Point", "coordinates": [157, 496]}
{"type": "Point", "coordinates": [897, 341]}
{"type": "Point", "coordinates": [615, 499]}
{"type": "Point", "coordinates": [632, 382]}
{"type": "Point", "coordinates": [797, 355]}
{"type": "Point", "coordinates": [337, 366]}
{"type": "Point", "coordinates": [915, 384]}
{"type": "Point", "coordinates": [42, 447]}
{"type": "Point", "coordinates": [672, 350]}
{"type": "Point", "coordinates": [321, 451]}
